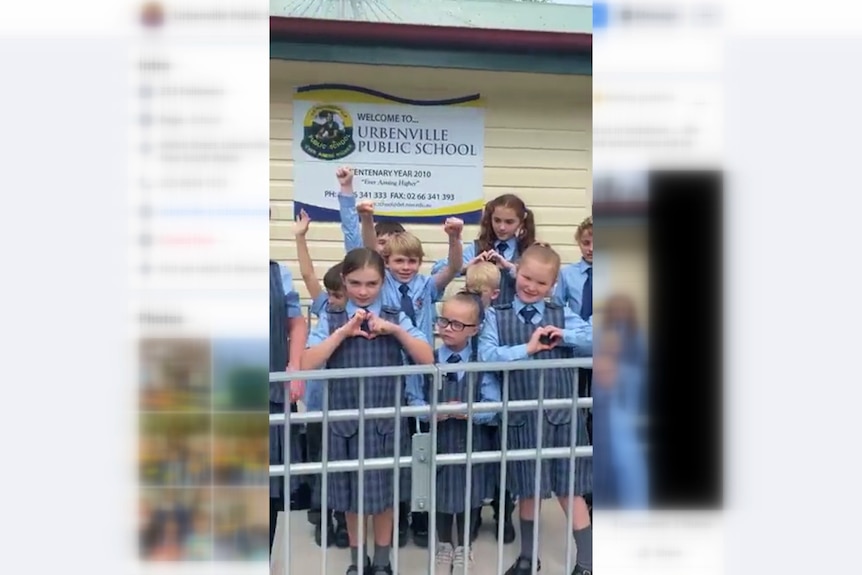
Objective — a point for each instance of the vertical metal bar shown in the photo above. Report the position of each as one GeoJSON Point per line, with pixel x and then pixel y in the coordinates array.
{"type": "Point", "coordinates": [286, 489]}
{"type": "Point", "coordinates": [504, 443]}
{"type": "Point", "coordinates": [537, 486]}
{"type": "Point", "coordinates": [360, 530]}
{"type": "Point", "coordinates": [324, 463]}
{"type": "Point", "coordinates": [573, 441]}
{"type": "Point", "coordinates": [432, 496]}
{"type": "Point", "coordinates": [468, 496]}
{"type": "Point", "coordinates": [396, 472]}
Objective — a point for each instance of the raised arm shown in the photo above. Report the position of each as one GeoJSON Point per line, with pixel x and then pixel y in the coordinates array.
{"type": "Point", "coordinates": [366, 217]}
{"type": "Point", "coordinates": [453, 228]}
{"type": "Point", "coordinates": [306, 266]}
{"type": "Point", "coordinates": [347, 209]}
{"type": "Point", "coordinates": [468, 257]}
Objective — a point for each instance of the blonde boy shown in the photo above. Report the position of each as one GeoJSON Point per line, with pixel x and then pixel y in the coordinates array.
{"type": "Point", "coordinates": [483, 278]}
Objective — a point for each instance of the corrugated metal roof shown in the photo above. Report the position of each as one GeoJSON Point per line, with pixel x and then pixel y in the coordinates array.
{"type": "Point", "coordinates": [574, 16]}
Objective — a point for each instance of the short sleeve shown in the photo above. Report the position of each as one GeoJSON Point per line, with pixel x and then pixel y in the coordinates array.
{"type": "Point", "coordinates": [291, 297]}
{"type": "Point", "coordinates": [320, 331]}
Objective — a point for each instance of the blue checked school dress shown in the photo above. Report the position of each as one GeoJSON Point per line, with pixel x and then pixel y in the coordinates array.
{"type": "Point", "coordinates": [452, 438]}
{"type": "Point", "coordinates": [355, 353]}
{"type": "Point", "coordinates": [556, 424]}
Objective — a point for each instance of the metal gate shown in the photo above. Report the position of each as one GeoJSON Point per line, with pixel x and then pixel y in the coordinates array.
{"type": "Point", "coordinates": [423, 459]}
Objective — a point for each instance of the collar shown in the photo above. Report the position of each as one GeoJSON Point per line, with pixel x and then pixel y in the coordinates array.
{"type": "Point", "coordinates": [374, 308]}
{"type": "Point", "coordinates": [518, 305]}
{"type": "Point", "coordinates": [443, 353]}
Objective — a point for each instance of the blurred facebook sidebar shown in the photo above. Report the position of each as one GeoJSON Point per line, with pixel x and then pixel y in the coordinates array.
{"type": "Point", "coordinates": [658, 204]}
{"type": "Point", "coordinates": [199, 237]}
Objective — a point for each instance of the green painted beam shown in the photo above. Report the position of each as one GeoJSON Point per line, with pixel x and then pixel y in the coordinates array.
{"type": "Point", "coordinates": [580, 65]}
{"type": "Point", "coordinates": [574, 16]}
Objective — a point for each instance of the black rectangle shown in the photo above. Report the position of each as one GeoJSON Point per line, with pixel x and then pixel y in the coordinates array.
{"type": "Point", "coordinates": [686, 358]}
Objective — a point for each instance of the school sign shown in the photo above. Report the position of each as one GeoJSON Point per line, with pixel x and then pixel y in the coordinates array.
{"type": "Point", "coordinates": [419, 161]}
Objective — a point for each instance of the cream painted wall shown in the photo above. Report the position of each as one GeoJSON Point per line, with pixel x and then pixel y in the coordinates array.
{"type": "Point", "coordinates": [538, 145]}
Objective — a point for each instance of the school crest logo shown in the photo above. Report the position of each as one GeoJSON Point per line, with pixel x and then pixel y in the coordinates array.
{"type": "Point", "coordinates": [419, 303]}
{"type": "Point", "coordinates": [328, 132]}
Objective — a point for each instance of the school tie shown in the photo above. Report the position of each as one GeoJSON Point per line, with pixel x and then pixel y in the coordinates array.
{"type": "Point", "coordinates": [407, 303]}
{"type": "Point", "coordinates": [364, 326]}
{"type": "Point", "coordinates": [452, 376]}
{"type": "Point", "coordinates": [587, 296]}
{"type": "Point", "coordinates": [501, 248]}
{"type": "Point", "coordinates": [528, 312]}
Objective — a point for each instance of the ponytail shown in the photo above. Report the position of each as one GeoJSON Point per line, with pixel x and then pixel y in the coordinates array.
{"type": "Point", "coordinates": [467, 295]}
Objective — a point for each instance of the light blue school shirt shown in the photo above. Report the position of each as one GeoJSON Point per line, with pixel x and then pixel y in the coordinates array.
{"type": "Point", "coordinates": [577, 334]}
{"type": "Point", "coordinates": [313, 397]}
{"type": "Point", "coordinates": [291, 297]}
{"type": "Point", "coordinates": [349, 222]}
{"type": "Point", "coordinates": [623, 411]}
{"type": "Point", "coordinates": [489, 388]}
{"type": "Point", "coordinates": [569, 290]}
{"type": "Point", "coordinates": [423, 292]}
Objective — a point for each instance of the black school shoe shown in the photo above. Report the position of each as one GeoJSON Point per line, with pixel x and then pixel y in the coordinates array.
{"type": "Point", "coordinates": [314, 516]}
{"type": "Point", "coordinates": [477, 525]}
{"type": "Point", "coordinates": [318, 534]}
{"type": "Point", "coordinates": [508, 531]}
{"type": "Point", "coordinates": [354, 570]}
{"type": "Point", "coordinates": [340, 536]}
{"type": "Point", "coordinates": [403, 531]}
{"type": "Point", "coordinates": [419, 526]}
{"type": "Point", "coordinates": [581, 571]}
{"type": "Point", "coordinates": [300, 500]}
{"type": "Point", "coordinates": [381, 570]}
{"type": "Point", "coordinates": [524, 566]}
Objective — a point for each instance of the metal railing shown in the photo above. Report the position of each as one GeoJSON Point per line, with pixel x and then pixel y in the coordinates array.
{"type": "Point", "coordinates": [425, 459]}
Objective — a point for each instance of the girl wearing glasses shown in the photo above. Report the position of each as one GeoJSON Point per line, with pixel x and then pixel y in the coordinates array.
{"type": "Point", "coordinates": [458, 326]}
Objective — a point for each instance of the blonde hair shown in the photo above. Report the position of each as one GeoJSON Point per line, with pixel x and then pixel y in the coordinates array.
{"type": "Point", "coordinates": [481, 276]}
{"type": "Point", "coordinates": [584, 227]}
{"type": "Point", "coordinates": [404, 244]}
{"type": "Point", "coordinates": [544, 253]}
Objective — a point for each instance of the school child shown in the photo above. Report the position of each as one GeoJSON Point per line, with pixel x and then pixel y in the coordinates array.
{"type": "Point", "coordinates": [350, 213]}
{"type": "Point", "coordinates": [619, 464]}
{"type": "Point", "coordinates": [459, 323]}
{"type": "Point", "coordinates": [526, 329]}
{"type": "Point", "coordinates": [332, 295]}
{"type": "Point", "coordinates": [288, 331]}
{"type": "Point", "coordinates": [575, 289]}
{"type": "Point", "coordinates": [506, 230]}
{"type": "Point", "coordinates": [415, 294]}
{"type": "Point", "coordinates": [365, 333]}
{"type": "Point", "coordinates": [483, 278]}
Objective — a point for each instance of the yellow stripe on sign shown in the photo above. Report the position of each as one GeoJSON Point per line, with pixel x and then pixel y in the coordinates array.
{"type": "Point", "coordinates": [351, 97]}
{"type": "Point", "coordinates": [458, 209]}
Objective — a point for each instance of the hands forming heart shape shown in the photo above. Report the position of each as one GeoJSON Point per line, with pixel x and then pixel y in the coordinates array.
{"type": "Point", "coordinates": [365, 324]}
{"type": "Point", "coordinates": [545, 338]}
